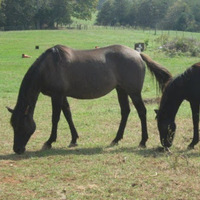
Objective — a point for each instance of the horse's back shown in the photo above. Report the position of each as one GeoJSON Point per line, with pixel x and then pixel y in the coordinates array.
{"type": "Point", "coordinates": [94, 73]}
{"type": "Point", "coordinates": [191, 78]}
{"type": "Point", "coordinates": [120, 63]}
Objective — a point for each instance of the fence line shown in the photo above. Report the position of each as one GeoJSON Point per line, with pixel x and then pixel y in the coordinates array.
{"type": "Point", "coordinates": [95, 27]}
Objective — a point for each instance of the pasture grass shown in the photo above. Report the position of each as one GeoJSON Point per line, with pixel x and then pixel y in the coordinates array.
{"type": "Point", "coordinates": [92, 170]}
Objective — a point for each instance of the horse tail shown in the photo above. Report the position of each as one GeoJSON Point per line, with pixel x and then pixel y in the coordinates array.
{"type": "Point", "coordinates": [161, 74]}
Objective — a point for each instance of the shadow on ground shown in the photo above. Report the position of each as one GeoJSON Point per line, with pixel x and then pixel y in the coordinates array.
{"type": "Point", "coordinates": [147, 152]}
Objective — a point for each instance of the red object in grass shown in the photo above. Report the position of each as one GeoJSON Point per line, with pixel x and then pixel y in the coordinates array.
{"type": "Point", "coordinates": [25, 56]}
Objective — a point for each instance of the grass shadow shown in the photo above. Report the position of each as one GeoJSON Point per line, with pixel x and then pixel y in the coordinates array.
{"type": "Point", "coordinates": [144, 152]}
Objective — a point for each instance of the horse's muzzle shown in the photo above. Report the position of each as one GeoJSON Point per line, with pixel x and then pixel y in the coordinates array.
{"type": "Point", "coordinates": [166, 143]}
{"type": "Point", "coordinates": [19, 150]}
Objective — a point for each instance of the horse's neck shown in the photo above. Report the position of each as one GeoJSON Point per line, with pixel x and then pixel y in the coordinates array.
{"type": "Point", "coordinates": [28, 95]}
{"type": "Point", "coordinates": [169, 107]}
{"type": "Point", "coordinates": [172, 107]}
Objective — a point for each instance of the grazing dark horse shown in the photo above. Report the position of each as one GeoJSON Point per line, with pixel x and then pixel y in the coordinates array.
{"type": "Point", "coordinates": [183, 87]}
{"type": "Point", "coordinates": [83, 74]}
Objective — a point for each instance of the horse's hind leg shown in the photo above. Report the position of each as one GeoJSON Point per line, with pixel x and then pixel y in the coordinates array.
{"type": "Point", "coordinates": [56, 110]}
{"type": "Point", "coordinates": [125, 110]}
{"type": "Point", "coordinates": [140, 107]}
{"type": "Point", "coordinates": [195, 118]}
{"type": "Point", "coordinates": [68, 116]}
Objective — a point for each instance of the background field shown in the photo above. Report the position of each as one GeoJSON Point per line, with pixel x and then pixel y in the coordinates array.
{"type": "Point", "coordinates": [93, 171]}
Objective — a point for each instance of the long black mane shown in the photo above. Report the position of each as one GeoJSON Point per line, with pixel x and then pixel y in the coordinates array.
{"type": "Point", "coordinates": [174, 85]}
{"type": "Point", "coordinates": [33, 72]}
{"type": "Point", "coordinates": [29, 82]}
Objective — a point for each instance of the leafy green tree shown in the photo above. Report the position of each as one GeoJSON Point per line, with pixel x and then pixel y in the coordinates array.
{"type": "Point", "coordinates": [115, 12]}
{"type": "Point", "coordinates": [121, 11]}
{"type": "Point", "coordinates": [17, 12]}
{"type": "Point", "coordinates": [83, 9]}
{"type": "Point", "coordinates": [179, 17]}
{"type": "Point", "coordinates": [60, 12]}
{"type": "Point", "coordinates": [40, 13]}
{"type": "Point", "coordinates": [195, 11]}
{"type": "Point", "coordinates": [151, 12]}
{"type": "Point", "coordinates": [105, 15]}
{"type": "Point", "coordinates": [51, 12]}
{"type": "Point", "coordinates": [132, 15]}
{"type": "Point", "coordinates": [100, 4]}
{"type": "Point", "coordinates": [2, 16]}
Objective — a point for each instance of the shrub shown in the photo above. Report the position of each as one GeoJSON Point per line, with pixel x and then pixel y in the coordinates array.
{"type": "Point", "coordinates": [182, 45]}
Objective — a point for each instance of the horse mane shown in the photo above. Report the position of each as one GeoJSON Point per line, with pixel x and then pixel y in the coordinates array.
{"type": "Point", "coordinates": [174, 84]}
{"type": "Point", "coordinates": [180, 79]}
{"type": "Point", "coordinates": [31, 74]}
{"type": "Point", "coordinates": [57, 51]}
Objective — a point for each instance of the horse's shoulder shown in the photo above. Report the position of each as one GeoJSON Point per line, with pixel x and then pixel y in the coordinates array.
{"type": "Point", "coordinates": [196, 66]}
{"type": "Point", "coordinates": [192, 71]}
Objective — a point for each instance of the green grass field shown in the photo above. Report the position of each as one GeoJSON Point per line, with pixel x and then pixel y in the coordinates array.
{"type": "Point", "coordinates": [91, 170]}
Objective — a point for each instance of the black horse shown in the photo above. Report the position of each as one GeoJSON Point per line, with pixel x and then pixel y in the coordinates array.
{"type": "Point", "coordinates": [84, 74]}
{"type": "Point", "coordinates": [183, 87]}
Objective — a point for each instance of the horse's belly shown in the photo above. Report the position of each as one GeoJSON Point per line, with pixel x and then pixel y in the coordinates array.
{"type": "Point", "coordinates": [88, 90]}
{"type": "Point", "coordinates": [89, 93]}
{"type": "Point", "coordinates": [89, 82]}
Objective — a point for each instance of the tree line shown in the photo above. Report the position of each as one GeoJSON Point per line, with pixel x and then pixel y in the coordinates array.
{"type": "Point", "coordinates": [30, 14]}
{"type": "Point", "coordinates": [180, 15]}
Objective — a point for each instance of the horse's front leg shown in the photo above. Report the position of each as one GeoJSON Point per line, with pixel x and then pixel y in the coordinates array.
{"type": "Point", "coordinates": [195, 118]}
{"type": "Point", "coordinates": [68, 116]}
{"type": "Point", "coordinates": [56, 110]}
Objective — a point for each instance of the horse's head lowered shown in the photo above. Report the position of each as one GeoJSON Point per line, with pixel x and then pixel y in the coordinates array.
{"type": "Point", "coordinates": [167, 129]}
{"type": "Point", "coordinates": [167, 132]}
{"type": "Point", "coordinates": [23, 126]}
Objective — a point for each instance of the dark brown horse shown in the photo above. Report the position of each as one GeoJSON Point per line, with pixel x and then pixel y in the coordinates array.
{"type": "Point", "coordinates": [82, 74]}
{"type": "Point", "coordinates": [183, 87]}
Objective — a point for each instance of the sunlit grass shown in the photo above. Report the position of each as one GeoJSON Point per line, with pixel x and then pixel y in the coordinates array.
{"type": "Point", "coordinates": [92, 171]}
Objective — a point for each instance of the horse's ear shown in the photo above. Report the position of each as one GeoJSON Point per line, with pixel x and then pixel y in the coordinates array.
{"type": "Point", "coordinates": [10, 109]}
{"type": "Point", "coordinates": [156, 111]}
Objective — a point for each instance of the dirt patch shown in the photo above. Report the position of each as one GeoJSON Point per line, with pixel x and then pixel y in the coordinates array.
{"type": "Point", "coordinates": [10, 180]}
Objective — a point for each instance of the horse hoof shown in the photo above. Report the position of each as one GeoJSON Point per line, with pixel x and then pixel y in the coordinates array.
{"type": "Point", "coordinates": [112, 144]}
{"type": "Point", "coordinates": [46, 146]}
{"type": "Point", "coordinates": [166, 149]}
{"type": "Point", "coordinates": [160, 149]}
{"type": "Point", "coordinates": [143, 146]}
{"type": "Point", "coordinates": [190, 147]}
{"type": "Point", "coordinates": [72, 145]}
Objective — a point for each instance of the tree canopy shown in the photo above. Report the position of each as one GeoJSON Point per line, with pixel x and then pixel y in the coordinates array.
{"type": "Point", "coordinates": [163, 14]}
{"type": "Point", "coordinates": [40, 13]}
{"type": "Point", "coordinates": [158, 14]}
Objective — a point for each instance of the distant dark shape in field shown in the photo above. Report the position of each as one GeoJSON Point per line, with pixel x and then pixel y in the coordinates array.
{"type": "Point", "coordinates": [62, 72]}
{"type": "Point", "coordinates": [186, 86]}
